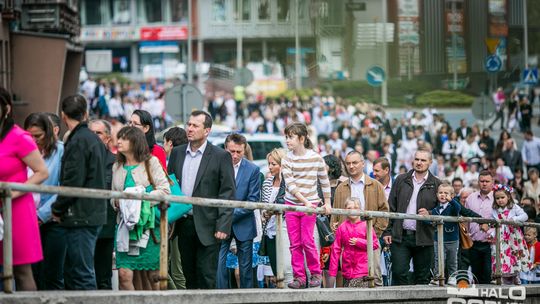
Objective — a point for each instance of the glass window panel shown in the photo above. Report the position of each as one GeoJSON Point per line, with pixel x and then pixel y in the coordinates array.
{"type": "Point", "coordinates": [263, 9]}
{"type": "Point", "coordinates": [283, 10]}
{"type": "Point", "coordinates": [121, 11]}
{"type": "Point", "coordinates": [152, 10]}
{"type": "Point", "coordinates": [93, 12]}
{"type": "Point", "coordinates": [219, 11]}
{"type": "Point", "coordinates": [179, 10]}
{"type": "Point", "coordinates": [246, 9]}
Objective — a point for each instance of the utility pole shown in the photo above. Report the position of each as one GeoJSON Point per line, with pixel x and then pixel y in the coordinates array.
{"type": "Point", "coordinates": [454, 45]}
{"type": "Point", "coordinates": [525, 35]}
{"type": "Point", "coordinates": [240, 17]}
{"type": "Point", "coordinates": [298, 67]}
{"type": "Point", "coordinates": [189, 44]}
{"type": "Point", "coordinates": [384, 88]}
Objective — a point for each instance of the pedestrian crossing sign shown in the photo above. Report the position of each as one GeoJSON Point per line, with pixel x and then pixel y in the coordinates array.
{"type": "Point", "coordinates": [530, 76]}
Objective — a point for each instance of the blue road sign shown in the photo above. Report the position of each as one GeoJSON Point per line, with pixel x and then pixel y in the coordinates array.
{"type": "Point", "coordinates": [375, 76]}
{"type": "Point", "coordinates": [530, 76]}
{"type": "Point", "coordinates": [493, 63]}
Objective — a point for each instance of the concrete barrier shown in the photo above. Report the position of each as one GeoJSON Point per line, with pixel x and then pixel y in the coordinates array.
{"type": "Point", "coordinates": [387, 295]}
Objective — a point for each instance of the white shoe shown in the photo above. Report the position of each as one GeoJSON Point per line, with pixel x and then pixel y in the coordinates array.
{"type": "Point", "coordinates": [434, 283]}
{"type": "Point", "coordinates": [452, 281]}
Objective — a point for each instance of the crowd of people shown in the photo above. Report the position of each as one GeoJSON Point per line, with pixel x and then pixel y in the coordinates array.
{"type": "Point", "coordinates": [338, 155]}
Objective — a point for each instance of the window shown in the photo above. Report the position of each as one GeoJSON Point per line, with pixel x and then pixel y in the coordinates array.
{"type": "Point", "coordinates": [302, 9]}
{"type": "Point", "coordinates": [246, 9]}
{"type": "Point", "coordinates": [152, 11]}
{"type": "Point", "coordinates": [121, 11]}
{"type": "Point", "coordinates": [93, 13]}
{"type": "Point", "coordinates": [219, 11]}
{"type": "Point", "coordinates": [263, 10]}
{"type": "Point", "coordinates": [283, 10]}
{"type": "Point", "coordinates": [179, 10]}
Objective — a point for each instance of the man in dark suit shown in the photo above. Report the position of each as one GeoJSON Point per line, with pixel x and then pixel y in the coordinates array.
{"type": "Point", "coordinates": [206, 171]}
{"type": "Point", "coordinates": [244, 230]}
{"type": "Point", "coordinates": [463, 130]}
{"type": "Point", "coordinates": [512, 157]}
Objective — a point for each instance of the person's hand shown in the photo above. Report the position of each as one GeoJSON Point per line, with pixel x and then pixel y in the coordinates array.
{"type": "Point", "coordinates": [310, 205]}
{"type": "Point", "coordinates": [334, 226]}
{"type": "Point", "coordinates": [40, 222]}
{"type": "Point", "coordinates": [15, 194]}
{"type": "Point", "coordinates": [352, 241]}
{"type": "Point", "coordinates": [484, 227]}
{"type": "Point", "coordinates": [327, 209]}
{"type": "Point", "coordinates": [220, 235]}
{"type": "Point", "coordinates": [387, 239]}
{"type": "Point", "coordinates": [325, 257]}
{"type": "Point", "coordinates": [56, 218]}
{"type": "Point", "coordinates": [423, 212]}
{"type": "Point", "coordinates": [116, 204]}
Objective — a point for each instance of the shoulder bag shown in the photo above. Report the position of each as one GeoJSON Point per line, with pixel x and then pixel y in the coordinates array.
{"type": "Point", "coordinates": [464, 237]}
{"type": "Point", "coordinates": [175, 210]}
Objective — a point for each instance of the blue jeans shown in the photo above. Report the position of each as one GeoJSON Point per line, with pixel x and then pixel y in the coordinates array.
{"type": "Point", "coordinates": [244, 251]}
{"type": "Point", "coordinates": [73, 267]}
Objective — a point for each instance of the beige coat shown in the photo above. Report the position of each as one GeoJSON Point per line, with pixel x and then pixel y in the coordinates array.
{"type": "Point", "coordinates": [373, 196]}
{"type": "Point", "coordinates": [140, 177]}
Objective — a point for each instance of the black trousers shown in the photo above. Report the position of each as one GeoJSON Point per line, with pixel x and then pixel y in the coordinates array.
{"type": "Point", "coordinates": [103, 262]}
{"type": "Point", "coordinates": [272, 254]}
{"type": "Point", "coordinates": [401, 255]}
{"type": "Point", "coordinates": [199, 262]}
{"type": "Point", "coordinates": [480, 258]}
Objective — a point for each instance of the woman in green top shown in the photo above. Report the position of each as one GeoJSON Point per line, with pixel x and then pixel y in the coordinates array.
{"type": "Point", "coordinates": [138, 268]}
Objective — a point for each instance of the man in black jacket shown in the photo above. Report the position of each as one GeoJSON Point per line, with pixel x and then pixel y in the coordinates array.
{"type": "Point", "coordinates": [83, 165]}
{"type": "Point", "coordinates": [411, 192]}
{"type": "Point", "coordinates": [105, 241]}
{"type": "Point", "coordinates": [203, 170]}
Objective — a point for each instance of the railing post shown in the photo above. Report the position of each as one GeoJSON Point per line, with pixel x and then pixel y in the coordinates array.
{"type": "Point", "coordinates": [163, 248]}
{"type": "Point", "coordinates": [279, 257]}
{"type": "Point", "coordinates": [498, 273]}
{"type": "Point", "coordinates": [7, 244]}
{"type": "Point", "coordinates": [440, 251]}
{"type": "Point", "coordinates": [369, 239]}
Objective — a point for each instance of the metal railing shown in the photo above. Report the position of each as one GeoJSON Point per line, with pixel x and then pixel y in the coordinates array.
{"type": "Point", "coordinates": [6, 197]}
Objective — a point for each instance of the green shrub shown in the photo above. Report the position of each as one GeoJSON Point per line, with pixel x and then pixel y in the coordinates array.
{"type": "Point", "coordinates": [444, 98]}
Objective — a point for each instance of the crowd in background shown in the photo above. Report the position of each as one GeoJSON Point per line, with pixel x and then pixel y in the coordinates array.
{"type": "Point", "coordinates": [339, 155]}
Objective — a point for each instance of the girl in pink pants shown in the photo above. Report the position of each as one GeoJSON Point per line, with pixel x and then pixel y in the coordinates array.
{"type": "Point", "coordinates": [302, 168]}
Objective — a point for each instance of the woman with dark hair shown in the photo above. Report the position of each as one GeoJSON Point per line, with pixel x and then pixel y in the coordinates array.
{"type": "Point", "coordinates": [18, 152]}
{"type": "Point", "coordinates": [333, 167]}
{"type": "Point", "coordinates": [40, 126]}
{"type": "Point", "coordinates": [137, 170]}
{"type": "Point", "coordinates": [142, 120]}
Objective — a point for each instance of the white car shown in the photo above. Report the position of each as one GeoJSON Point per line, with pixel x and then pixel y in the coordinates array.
{"type": "Point", "coordinates": [261, 144]}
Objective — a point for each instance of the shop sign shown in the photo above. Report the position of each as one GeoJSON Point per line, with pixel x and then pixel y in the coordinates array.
{"type": "Point", "coordinates": [148, 33]}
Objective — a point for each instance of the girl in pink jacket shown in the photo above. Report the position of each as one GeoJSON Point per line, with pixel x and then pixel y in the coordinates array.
{"type": "Point", "coordinates": [351, 246]}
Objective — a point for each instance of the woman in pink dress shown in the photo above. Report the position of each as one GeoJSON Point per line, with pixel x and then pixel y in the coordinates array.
{"type": "Point", "coordinates": [18, 151]}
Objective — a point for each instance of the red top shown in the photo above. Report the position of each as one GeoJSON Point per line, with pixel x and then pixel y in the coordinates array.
{"type": "Point", "coordinates": [536, 245]}
{"type": "Point", "coordinates": [158, 152]}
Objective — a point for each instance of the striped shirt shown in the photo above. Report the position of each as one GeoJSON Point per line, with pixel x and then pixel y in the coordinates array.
{"type": "Point", "coordinates": [301, 174]}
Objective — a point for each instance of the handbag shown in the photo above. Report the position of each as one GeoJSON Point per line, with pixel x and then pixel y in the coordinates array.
{"type": "Point", "coordinates": [326, 236]}
{"type": "Point", "coordinates": [464, 237]}
{"type": "Point", "coordinates": [280, 197]}
{"type": "Point", "coordinates": [175, 210]}
{"type": "Point", "coordinates": [263, 247]}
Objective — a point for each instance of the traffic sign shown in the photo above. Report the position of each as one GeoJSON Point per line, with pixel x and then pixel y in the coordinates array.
{"type": "Point", "coordinates": [530, 76]}
{"type": "Point", "coordinates": [375, 76]}
{"type": "Point", "coordinates": [492, 44]}
{"type": "Point", "coordinates": [493, 63]}
{"type": "Point", "coordinates": [483, 108]}
{"type": "Point", "coordinates": [243, 77]}
{"type": "Point", "coordinates": [181, 100]}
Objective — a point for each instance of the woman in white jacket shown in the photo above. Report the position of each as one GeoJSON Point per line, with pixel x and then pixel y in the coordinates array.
{"type": "Point", "coordinates": [137, 170]}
